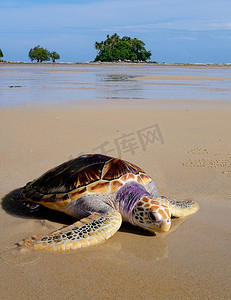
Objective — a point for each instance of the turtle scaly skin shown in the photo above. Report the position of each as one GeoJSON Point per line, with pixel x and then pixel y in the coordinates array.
{"type": "Point", "coordinates": [101, 192]}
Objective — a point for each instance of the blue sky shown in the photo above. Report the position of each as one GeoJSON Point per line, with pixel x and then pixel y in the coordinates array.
{"type": "Point", "coordinates": [174, 30]}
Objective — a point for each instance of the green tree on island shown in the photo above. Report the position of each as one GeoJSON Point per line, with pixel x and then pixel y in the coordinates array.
{"type": "Point", "coordinates": [41, 54]}
{"type": "Point", "coordinates": [1, 54]}
{"type": "Point", "coordinates": [114, 48]}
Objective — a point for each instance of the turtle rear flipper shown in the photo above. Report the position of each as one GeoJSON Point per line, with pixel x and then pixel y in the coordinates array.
{"type": "Point", "coordinates": [88, 231]}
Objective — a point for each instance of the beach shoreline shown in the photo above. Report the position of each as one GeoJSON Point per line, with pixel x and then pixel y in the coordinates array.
{"type": "Point", "coordinates": [122, 63]}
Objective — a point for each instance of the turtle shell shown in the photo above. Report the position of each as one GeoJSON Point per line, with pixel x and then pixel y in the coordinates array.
{"type": "Point", "coordinates": [91, 173]}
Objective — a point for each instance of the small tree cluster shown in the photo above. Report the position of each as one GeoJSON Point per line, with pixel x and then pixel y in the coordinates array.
{"type": "Point", "coordinates": [114, 48]}
{"type": "Point", "coordinates": [41, 54]}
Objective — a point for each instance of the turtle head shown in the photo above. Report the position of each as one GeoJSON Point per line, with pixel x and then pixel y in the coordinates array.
{"type": "Point", "coordinates": [151, 215]}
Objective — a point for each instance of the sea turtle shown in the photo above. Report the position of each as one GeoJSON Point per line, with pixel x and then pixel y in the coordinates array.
{"type": "Point", "coordinates": [100, 191]}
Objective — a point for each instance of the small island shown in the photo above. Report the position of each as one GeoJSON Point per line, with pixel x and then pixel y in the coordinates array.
{"type": "Point", "coordinates": [115, 49]}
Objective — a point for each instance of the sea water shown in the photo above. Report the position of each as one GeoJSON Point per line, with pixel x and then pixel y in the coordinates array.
{"type": "Point", "coordinates": [65, 83]}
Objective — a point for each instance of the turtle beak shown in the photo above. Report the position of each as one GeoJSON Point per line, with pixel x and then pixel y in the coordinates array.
{"type": "Point", "coordinates": [159, 223]}
{"type": "Point", "coordinates": [164, 225]}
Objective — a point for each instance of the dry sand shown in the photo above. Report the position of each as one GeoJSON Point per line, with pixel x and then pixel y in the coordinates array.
{"type": "Point", "coordinates": [192, 161]}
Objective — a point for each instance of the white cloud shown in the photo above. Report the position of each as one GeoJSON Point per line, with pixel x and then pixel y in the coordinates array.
{"type": "Point", "coordinates": [180, 24]}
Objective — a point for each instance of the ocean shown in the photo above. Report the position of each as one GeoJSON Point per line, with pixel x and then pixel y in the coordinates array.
{"type": "Point", "coordinates": [67, 83]}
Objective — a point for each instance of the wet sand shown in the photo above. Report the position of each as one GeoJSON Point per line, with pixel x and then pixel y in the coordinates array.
{"type": "Point", "coordinates": [188, 154]}
{"type": "Point", "coordinates": [190, 78]}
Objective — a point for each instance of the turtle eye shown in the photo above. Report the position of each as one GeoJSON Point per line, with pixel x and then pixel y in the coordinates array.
{"type": "Point", "coordinates": [152, 217]}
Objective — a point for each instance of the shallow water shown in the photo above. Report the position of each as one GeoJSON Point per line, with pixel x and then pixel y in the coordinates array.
{"type": "Point", "coordinates": [23, 84]}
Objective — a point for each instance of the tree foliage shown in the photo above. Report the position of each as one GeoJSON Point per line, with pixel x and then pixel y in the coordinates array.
{"type": "Point", "coordinates": [41, 54]}
{"type": "Point", "coordinates": [54, 55]}
{"type": "Point", "coordinates": [114, 48]}
{"type": "Point", "coordinates": [38, 53]}
{"type": "Point", "coordinates": [1, 54]}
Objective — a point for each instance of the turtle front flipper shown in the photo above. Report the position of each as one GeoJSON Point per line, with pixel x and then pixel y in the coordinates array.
{"type": "Point", "coordinates": [88, 231]}
{"type": "Point", "coordinates": [179, 208]}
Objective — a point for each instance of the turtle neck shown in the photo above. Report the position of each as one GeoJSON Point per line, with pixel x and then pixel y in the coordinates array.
{"type": "Point", "coordinates": [128, 196]}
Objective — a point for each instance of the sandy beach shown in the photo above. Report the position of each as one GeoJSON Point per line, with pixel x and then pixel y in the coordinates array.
{"type": "Point", "coordinates": [184, 145]}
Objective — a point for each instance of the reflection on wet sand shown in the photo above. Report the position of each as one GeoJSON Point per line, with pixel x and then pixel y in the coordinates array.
{"type": "Point", "coordinates": [155, 247]}
{"type": "Point", "coordinates": [145, 247]}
